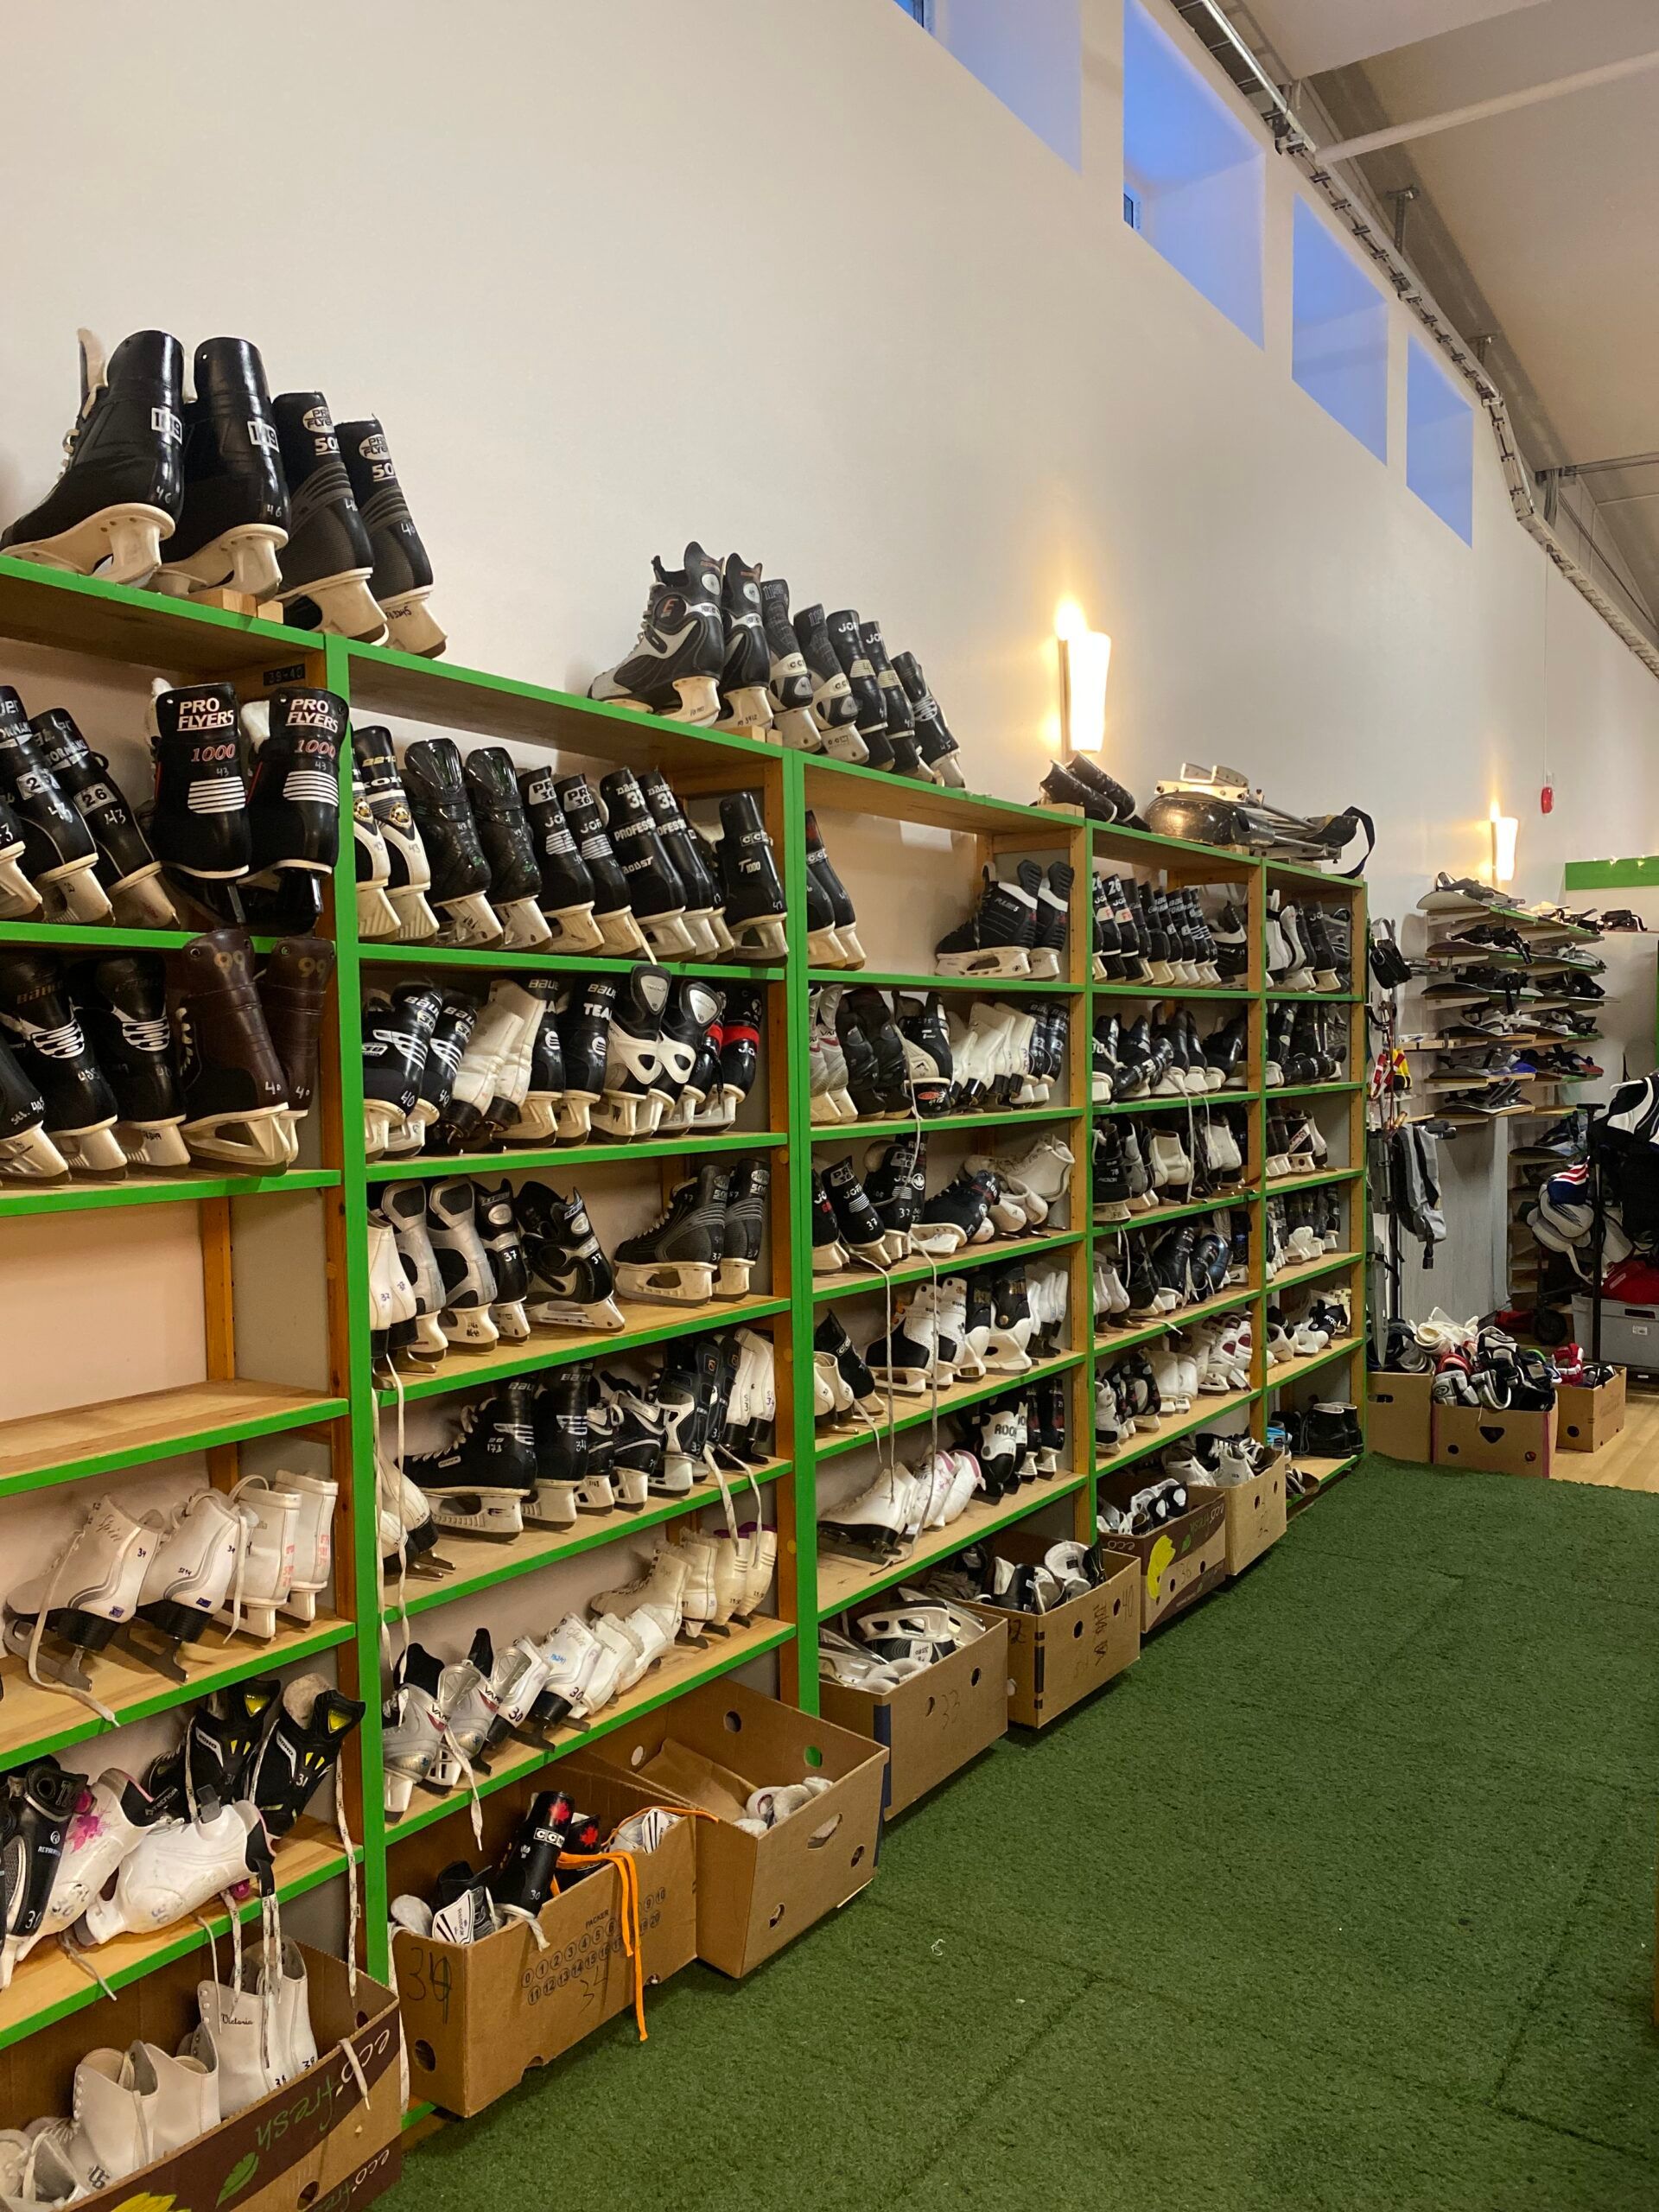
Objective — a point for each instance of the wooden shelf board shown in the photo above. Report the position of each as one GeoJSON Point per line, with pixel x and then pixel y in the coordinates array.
{"type": "Point", "coordinates": [39, 1449]}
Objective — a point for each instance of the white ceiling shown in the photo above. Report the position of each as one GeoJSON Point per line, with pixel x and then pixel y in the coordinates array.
{"type": "Point", "coordinates": [1311, 36]}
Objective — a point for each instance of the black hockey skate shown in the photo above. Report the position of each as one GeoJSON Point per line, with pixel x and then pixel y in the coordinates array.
{"type": "Point", "coordinates": [901, 727]}
{"type": "Point", "coordinates": [59, 856]}
{"type": "Point", "coordinates": [437, 791]}
{"type": "Point", "coordinates": [293, 805]}
{"type": "Point", "coordinates": [572, 1284]}
{"type": "Point", "coordinates": [27, 1153]}
{"type": "Point", "coordinates": [122, 486]}
{"type": "Point", "coordinates": [528, 1875]}
{"type": "Point", "coordinates": [234, 519]}
{"type": "Point", "coordinates": [504, 831]}
{"type": "Point", "coordinates": [702, 918]}
{"type": "Point", "coordinates": [789, 679]}
{"type": "Point", "coordinates": [584, 1025]}
{"type": "Point", "coordinates": [127, 869]}
{"type": "Point", "coordinates": [301, 1750]}
{"type": "Point", "coordinates": [752, 891]}
{"type": "Point", "coordinates": [740, 1054]}
{"type": "Point", "coordinates": [479, 1483]}
{"type": "Point", "coordinates": [39, 1802]}
{"type": "Point", "coordinates": [559, 1416]}
{"type": "Point", "coordinates": [234, 1091]}
{"type": "Point", "coordinates": [844, 920]}
{"type": "Point", "coordinates": [396, 1027]}
{"type": "Point", "coordinates": [941, 762]}
{"type": "Point", "coordinates": [214, 1764]}
{"type": "Point", "coordinates": [498, 1229]}
{"type": "Point", "coordinates": [834, 708]}
{"type": "Point", "coordinates": [688, 1055]}
{"type": "Point", "coordinates": [678, 1259]}
{"type": "Point", "coordinates": [567, 890]}
{"type": "Point", "coordinates": [410, 876]}
{"type": "Point", "coordinates": [613, 915]}
{"type": "Point", "coordinates": [39, 1024]}
{"type": "Point", "coordinates": [401, 578]}
{"type": "Point", "coordinates": [19, 900]}
{"type": "Point", "coordinates": [327, 560]}
{"type": "Point", "coordinates": [655, 891]}
{"type": "Point", "coordinates": [998, 936]}
{"type": "Point", "coordinates": [745, 702]}
{"type": "Point", "coordinates": [673, 669]}
{"type": "Point", "coordinates": [121, 999]}
{"type": "Point", "coordinates": [633, 1092]}
{"type": "Point", "coordinates": [292, 982]}
{"type": "Point", "coordinates": [748, 1188]}
{"type": "Point", "coordinates": [199, 827]}
{"type": "Point", "coordinates": [854, 662]}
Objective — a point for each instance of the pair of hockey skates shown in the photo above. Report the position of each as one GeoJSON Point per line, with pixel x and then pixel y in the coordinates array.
{"type": "Point", "coordinates": [554, 1846]}
{"type": "Point", "coordinates": [1019, 927]}
{"type": "Point", "coordinates": [250, 495]}
{"type": "Point", "coordinates": [1145, 935]}
{"type": "Point", "coordinates": [102, 1067]}
{"type": "Point", "coordinates": [1081, 786]}
{"type": "Point", "coordinates": [159, 1584]}
{"type": "Point", "coordinates": [1309, 947]}
{"type": "Point", "coordinates": [1295, 1146]}
{"type": "Point", "coordinates": [717, 648]}
{"type": "Point", "coordinates": [71, 847]}
{"type": "Point", "coordinates": [1164, 1055]}
{"type": "Point", "coordinates": [643, 1055]}
{"type": "Point", "coordinates": [1303, 1229]}
{"type": "Point", "coordinates": [892, 1216]}
{"type": "Point", "coordinates": [586, 1440]}
{"type": "Point", "coordinates": [1323, 1321]}
{"type": "Point", "coordinates": [1134, 1393]}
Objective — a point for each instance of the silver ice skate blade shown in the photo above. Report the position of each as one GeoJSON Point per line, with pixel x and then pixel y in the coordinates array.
{"type": "Point", "coordinates": [240, 560]}
{"type": "Point", "coordinates": [674, 1282]}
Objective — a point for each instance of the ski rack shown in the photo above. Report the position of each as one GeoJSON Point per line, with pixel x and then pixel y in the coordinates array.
{"type": "Point", "coordinates": [227, 1409]}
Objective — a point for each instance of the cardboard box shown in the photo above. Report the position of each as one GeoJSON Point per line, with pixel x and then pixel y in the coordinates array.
{"type": "Point", "coordinates": [714, 1747]}
{"type": "Point", "coordinates": [1585, 1419]}
{"type": "Point", "coordinates": [1495, 1443]}
{"type": "Point", "coordinates": [1255, 1511]}
{"type": "Point", "coordinates": [1057, 1658]}
{"type": "Point", "coordinates": [314, 2142]}
{"type": "Point", "coordinates": [934, 1724]}
{"type": "Point", "coordinates": [477, 2016]}
{"type": "Point", "coordinates": [1402, 1415]}
{"type": "Point", "coordinates": [1181, 1561]}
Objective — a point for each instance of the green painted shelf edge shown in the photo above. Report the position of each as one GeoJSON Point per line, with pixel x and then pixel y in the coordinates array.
{"type": "Point", "coordinates": [196, 1439]}
{"type": "Point", "coordinates": [600, 1344]}
{"type": "Point", "coordinates": [375, 954]}
{"type": "Point", "coordinates": [524, 1159]}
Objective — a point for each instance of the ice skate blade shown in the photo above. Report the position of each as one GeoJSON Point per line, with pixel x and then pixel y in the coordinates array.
{"type": "Point", "coordinates": [261, 1146]}
{"type": "Point", "coordinates": [346, 604]}
{"type": "Point", "coordinates": [511, 1323]}
{"type": "Point", "coordinates": [378, 1118]}
{"type": "Point", "coordinates": [32, 1158]}
{"type": "Point", "coordinates": [1045, 964]}
{"type": "Point", "coordinates": [699, 701]}
{"type": "Point", "coordinates": [673, 1282]}
{"type": "Point", "coordinates": [619, 933]}
{"type": "Point", "coordinates": [74, 895]}
{"type": "Point", "coordinates": [748, 713]}
{"type": "Point", "coordinates": [537, 1124]}
{"type": "Point", "coordinates": [156, 1650]}
{"type": "Point", "coordinates": [93, 1151]}
{"type": "Point", "coordinates": [128, 537]}
{"type": "Point", "coordinates": [761, 937]}
{"type": "Point", "coordinates": [416, 920]}
{"type": "Point", "coordinates": [407, 1136]}
{"type": "Point", "coordinates": [561, 1313]}
{"type": "Point", "coordinates": [706, 928]}
{"type": "Point", "coordinates": [823, 949]}
{"type": "Point", "coordinates": [668, 936]}
{"type": "Point", "coordinates": [525, 927]}
{"type": "Point", "coordinates": [470, 922]}
{"type": "Point", "coordinates": [627, 1118]}
{"type": "Point", "coordinates": [829, 1258]}
{"type": "Point", "coordinates": [241, 560]}
{"type": "Point", "coordinates": [852, 953]}
{"type": "Point", "coordinates": [572, 929]}
{"type": "Point", "coordinates": [155, 1145]}
{"type": "Point", "coordinates": [845, 744]}
{"type": "Point", "coordinates": [410, 629]}
{"type": "Point", "coordinates": [1009, 961]}
{"type": "Point", "coordinates": [469, 1327]}
{"type": "Point", "coordinates": [141, 902]}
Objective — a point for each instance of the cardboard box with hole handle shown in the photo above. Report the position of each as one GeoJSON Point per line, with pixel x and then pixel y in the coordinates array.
{"type": "Point", "coordinates": [716, 1746]}
{"type": "Point", "coordinates": [1399, 1422]}
{"type": "Point", "coordinates": [1182, 1559]}
{"type": "Point", "coordinates": [326, 2141]}
{"type": "Point", "coordinates": [933, 1724]}
{"type": "Point", "coordinates": [1488, 1442]}
{"type": "Point", "coordinates": [479, 2016]}
{"type": "Point", "coordinates": [1257, 1513]}
{"type": "Point", "coordinates": [1587, 1419]}
{"type": "Point", "coordinates": [1057, 1658]}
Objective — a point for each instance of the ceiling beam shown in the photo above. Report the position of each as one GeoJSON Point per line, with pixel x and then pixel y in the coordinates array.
{"type": "Point", "coordinates": [1397, 134]}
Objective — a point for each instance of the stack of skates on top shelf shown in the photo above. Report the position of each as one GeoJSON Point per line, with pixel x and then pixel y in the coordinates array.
{"type": "Point", "coordinates": [228, 491]}
{"type": "Point", "coordinates": [445, 1721]}
{"type": "Point", "coordinates": [1167, 937]}
{"type": "Point", "coordinates": [542, 1063]}
{"type": "Point", "coordinates": [92, 1861]}
{"type": "Point", "coordinates": [991, 1452]}
{"type": "Point", "coordinates": [466, 850]}
{"type": "Point", "coordinates": [175, 1587]}
{"type": "Point", "coordinates": [456, 1262]}
{"type": "Point", "coordinates": [540, 1452]}
{"type": "Point", "coordinates": [890, 1216]}
{"type": "Point", "coordinates": [874, 1056]}
{"type": "Point", "coordinates": [718, 648]}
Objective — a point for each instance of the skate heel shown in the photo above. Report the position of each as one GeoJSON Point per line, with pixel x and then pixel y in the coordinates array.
{"type": "Point", "coordinates": [74, 895]}
{"type": "Point", "coordinates": [524, 925]}
{"type": "Point", "coordinates": [620, 933]}
{"type": "Point", "coordinates": [846, 744]}
{"type": "Point", "coordinates": [93, 1151]}
{"type": "Point", "coordinates": [823, 949]}
{"type": "Point", "coordinates": [733, 1280]}
{"type": "Point", "coordinates": [471, 921]}
{"type": "Point", "coordinates": [554, 1505]}
{"type": "Point", "coordinates": [853, 954]}
{"type": "Point", "coordinates": [410, 629]}
{"type": "Point", "coordinates": [797, 729]}
{"type": "Point", "coordinates": [257, 1142]}
{"type": "Point", "coordinates": [128, 537]}
{"type": "Point", "coordinates": [627, 1118]}
{"type": "Point", "coordinates": [470, 1327]}
{"type": "Point", "coordinates": [32, 1158]}
{"type": "Point", "coordinates": [748, 712]}
{"type": "Point", "coordinates": [300, 1605]}
{"type": "Point", "coordinates": [762, 937]}
{"type": "Point", "coordinates": [674, 1282]}
{"type": "Point", "coordinates": [1045, 963]}
{"type": "Point", "coordinates": [376, 915]}
{"type": "Point", "coordinates": [378, 1118]}
{"type": "Point", "coordinates": [243, 559]}
{"type": "Point", "coordinates": [511, 1324]}
{"type": "Point", "coordinates": [141, 901]}
{"type": "Point", "coordinates": [416, 919]}
{"type": "Point", "coordinates": [495, 1516]}
{"type": "Point", "coordinates": [18, 897]}
{"type": "Point", "coordinates": [572, 929]}
{"type": "Point", "coordinates": [705, 926]}
{"type": "Point", "coordinates": [668, 936]}
{"type": "Point", "coordinates": [699, 700]}
{"type": "Point", "coordinates": [346, 605]}
{"type": "Point", "coordinates": [152, 1144]}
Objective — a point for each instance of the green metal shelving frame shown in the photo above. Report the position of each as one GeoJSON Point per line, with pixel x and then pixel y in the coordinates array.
{"type": "Point", "coordinates": [187, 641]}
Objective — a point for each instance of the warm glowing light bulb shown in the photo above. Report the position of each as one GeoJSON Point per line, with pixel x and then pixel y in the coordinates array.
{"type": "Point", "coordinates": [1070, 622]}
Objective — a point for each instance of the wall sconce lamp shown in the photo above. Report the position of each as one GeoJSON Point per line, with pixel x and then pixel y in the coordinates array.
{"type": "Point", "coordinates": [1505, 830]}
{"type": "Point", "coordinates": [1085, 657]}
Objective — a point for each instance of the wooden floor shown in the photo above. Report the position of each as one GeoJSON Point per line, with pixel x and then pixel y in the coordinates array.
{"type": "Point", "coordinates": [1631, 1460]}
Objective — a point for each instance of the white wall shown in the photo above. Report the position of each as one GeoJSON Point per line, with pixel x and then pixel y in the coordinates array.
{"type": "Point", "coordinates": [782, 275]}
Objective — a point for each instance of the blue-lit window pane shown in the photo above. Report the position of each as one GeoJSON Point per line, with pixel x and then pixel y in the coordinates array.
{"type": "Point", "coordinates": [916, 9]}
{"type": "Point", "coordinates": [1439, 441]}
{"type": "Point", "coordinates": [1196, 171]}
{"type": "Point", "coordinates": [1339, 333]}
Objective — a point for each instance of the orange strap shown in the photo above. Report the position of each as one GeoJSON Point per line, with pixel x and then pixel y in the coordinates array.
{"type": "Point", "coordinates": [632, 1944]}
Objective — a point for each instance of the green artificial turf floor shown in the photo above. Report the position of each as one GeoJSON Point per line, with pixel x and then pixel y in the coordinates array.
{"type": "Point", "coordinates": [1342, 1896]}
